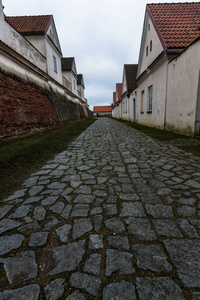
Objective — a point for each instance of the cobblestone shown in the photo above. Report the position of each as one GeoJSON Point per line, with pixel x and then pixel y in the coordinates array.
{"type": "Point", "coordinates": [114, 216]}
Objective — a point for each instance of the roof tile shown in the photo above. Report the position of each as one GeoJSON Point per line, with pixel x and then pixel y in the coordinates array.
{"type": "Point", "coordinates": [102, 108]}
{"type": "Point", "coordinates": [178, 23]}
{"type": "Point", "coordinates": [30, 24]}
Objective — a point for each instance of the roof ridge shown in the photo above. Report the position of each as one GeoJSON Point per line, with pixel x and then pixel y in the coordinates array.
{"type": "Point", "coordinates": [29, 16]}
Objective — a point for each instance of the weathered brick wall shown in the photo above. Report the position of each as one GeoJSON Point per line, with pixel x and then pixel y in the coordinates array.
{"type": "Point", "coordinates": [24, 108]}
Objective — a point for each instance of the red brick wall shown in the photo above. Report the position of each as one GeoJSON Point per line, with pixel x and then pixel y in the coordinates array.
{"type": "Point", "coordinates": [23, 108]}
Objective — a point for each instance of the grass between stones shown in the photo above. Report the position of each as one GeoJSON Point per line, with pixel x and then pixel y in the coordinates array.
{"type": "Point", "coordinates": [22, 156]}
{"type": "Point", "coordinates": [186, 143]}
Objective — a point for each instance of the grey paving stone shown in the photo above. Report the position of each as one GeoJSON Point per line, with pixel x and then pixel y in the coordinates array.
{"type": "Point", "coordinates": [16, 195]}
{"type": "Point", "coordinates": [193, 184]}
{"type": "Point", "coordinates": [7, 224]}
{"type": "Point", "coordinates": [167, 228]}
{"type": "Point", "coordinates": [21, 212]}
{"type": "Point", "coordinates": [52, 223]}
{"type": "Point", "coordinates": [92, 264]}
{"type": "Point", "coordinates": [10, 242]}
{"type": "Point", "coordinates": [4, 210]}
{"type": "Point", "coordinates": [83, 189]}
{"type": "Point", "coordinates": [96, 211]}
{"type": "Point", "coordinates": [67, 257]}
{"type": "Point", "coordinates": [186, 211]}
{"type": "Point", "coordinates": [185, 256]}
{"type": "Point", "coordinates": [132, 209]}
{"type": "Point", "coordinates": [112, 199]}
{"type": "Point", "coordinates": [110, 209]}
{"type": "Point", "coordinates": [118, 242]}
{"type": "Point", "coordinates": [100, 193]}
{"type": "Point", "coordinates": [76, 296]}
{"type": "Point", "coordinates": [57, 207]}
{"type": "Point", "coordinates": [66, 211]}
{"type": "Point", "coordinates": [158, 288]}
{"type": "Point", "coordinates": [159, 211]}
{"type": "Point", "coordinates": [120, 262]}
{"type": "Point", "coordinates": [141, 229]}
{"type": "Point", "coordinates": [187, 201]}
{"type": "Point", "coordinates": [38, 239]}
{"type": "Point", "coordinates": [33, 199]}
{"type": "Point", "coordinates": [187, 228]}
{"type": "Point", "coordinates": [30, 292]}
{"type": "Point", "coordinates": [115, 225]}
{"type": "Point", "coordinates": [39, 213]}
{"type": "Point", "coordinates": [63, 232]}
{"type": "Point", "coordinates": [84, 199]}
{"type": "Point", "coordinates": [49, 200]}
{"type": "Point", "coordinates": [151, 257]}
{"type": "Point", "coordinates": [95, 241]}
{"type": "Point", "coordinates": [31, 181]}
{"type": "Point", "coordinates": [129, 197]}
{"type": "Point", "coordinates": [81, 226]}
{"type": "Point", "coordinates": [55, 289]}
{"type": "Point", "coordinates": [35, 190]}
{"type": "Point", "coordinates": [98, 223]}
{"type": "Point", "coordinates": [66, 192]}
{"type": "Point", "coordinates": [80, 210]}
{"type": "Point", "coordinates": [56, 185]}
{"type": "Point", "coordinates": [87, 282]}
{"type": "Point", "coordinates": [30, 226]}
{"type": "Point", "coordinates": [119, 290]}
{"type": "Point", "coordinates": [22, 266]}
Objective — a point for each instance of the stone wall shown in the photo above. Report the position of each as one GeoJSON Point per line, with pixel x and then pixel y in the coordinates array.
{"type": "Point", "coordinates": [25, 108]}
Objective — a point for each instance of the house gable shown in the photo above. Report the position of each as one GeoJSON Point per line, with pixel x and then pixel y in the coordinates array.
{"type": "Point", "coordinates": [118, 92]}
{"type": "Point", "coordinates": [148, 53]}
{"type": "Point", "coordinates": [129, 78]}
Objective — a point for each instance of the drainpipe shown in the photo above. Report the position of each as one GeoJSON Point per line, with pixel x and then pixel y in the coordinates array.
{"type": "Point", "coordinates": [165, 112]}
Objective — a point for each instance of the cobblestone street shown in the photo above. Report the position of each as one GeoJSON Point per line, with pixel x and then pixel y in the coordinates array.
{"type": "Point", "coordinates": [115, 216]}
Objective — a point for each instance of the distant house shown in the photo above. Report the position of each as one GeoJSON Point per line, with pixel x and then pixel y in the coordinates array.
{"type": "Point", "coordinates": [102, 111]}
{"type": "Point", "coordinates": [70, 74]}
{"type": "Point", "coordinates": [117, 108]}
{"type": "Point", "coordinates": [128, 86]}
{"type": "Point", "coordinates": [41, 32]}
{"type": "Point", "coordinates": [168, 93]}
{"type": "Point", "coordinates": [80, 86]}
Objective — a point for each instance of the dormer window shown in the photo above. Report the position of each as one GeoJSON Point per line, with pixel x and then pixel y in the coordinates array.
{"type": "Point", "coordinates": [150, 46]}
{"type": "Point", "coordinates": [147, 51]}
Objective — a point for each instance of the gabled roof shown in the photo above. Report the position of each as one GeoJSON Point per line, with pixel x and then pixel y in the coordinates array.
{"type": "Point", "coordinates": [177, 24]}
{"type": "Point", "coordinates": [131, 74]}
{"type": "Point", "coordinates": [102, 109]}
{"type": "Point", "coordinates": [30, 24]}
{"type": "Point", "coordinates": [119, 91]}
{"type": "Point", "coordinates": [114, 98]}
{"type": "Point", "coordinates": [67, 63]}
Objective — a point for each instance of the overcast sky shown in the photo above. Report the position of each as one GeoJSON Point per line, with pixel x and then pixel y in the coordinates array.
{"type": "Point", "coordinates": [102, 35]}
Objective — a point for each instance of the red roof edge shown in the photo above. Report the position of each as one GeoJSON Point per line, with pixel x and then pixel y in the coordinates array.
{"type": "Point", "coordinates": [50, 20]}
{"type": "Point", "coordinates": [156, 28]}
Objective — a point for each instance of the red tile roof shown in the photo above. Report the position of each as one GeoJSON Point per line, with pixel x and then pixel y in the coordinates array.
{"type": "Point", "coordinates": [102, 109]}
{"type": "Point", "coordinates": [30, 24]}
{"type": "Point", "coordinates": [114, 98]}
{"type": "Point", "coordinates": [131, 74]}
{"type": "Point", "coordinates": [119, 91]}
{"type": "Point", "coordinates": [177, 24]}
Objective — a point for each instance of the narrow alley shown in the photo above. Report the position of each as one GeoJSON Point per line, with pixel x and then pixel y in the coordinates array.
{"type": "Point", "coordinates": [115, 216]}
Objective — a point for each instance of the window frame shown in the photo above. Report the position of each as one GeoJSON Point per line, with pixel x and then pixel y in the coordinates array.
{"type": "Point", "coordinates": [149, 99]}
{"type": "Point", "coordinates": [55, 64]}
{"type": "Point", "coordinates": [151, 46]}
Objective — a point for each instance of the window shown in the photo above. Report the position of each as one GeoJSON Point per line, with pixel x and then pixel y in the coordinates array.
{"type": "Point", "coordinates": [150, 94]}
{"type": "Point", "coordinates": [147, 51]}
{"type": "Point", "coordinates": [74, 85]}
{"type": "Point", "coordinates": [148, 27]}
{"type": "Point", "coordinates": [142, 100]}
{"type": "Point", "coordinates": [150, 46]}
{"type": "Point", "coordinates": [126, 106]}
{"type": "Point", "coordinates": [54, 64]}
